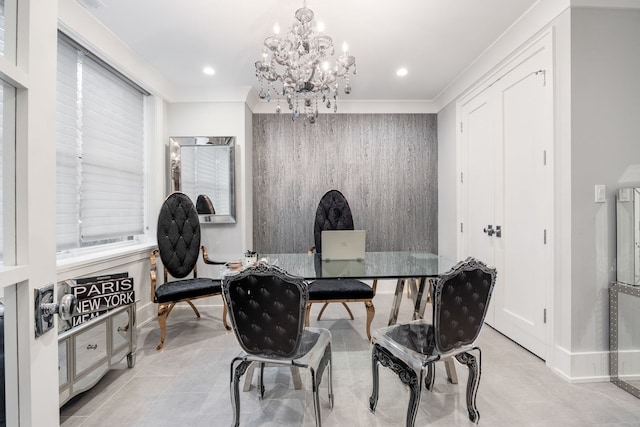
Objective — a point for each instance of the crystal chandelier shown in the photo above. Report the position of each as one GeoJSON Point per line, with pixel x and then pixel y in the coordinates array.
{"type": "Point", "coordinates": [296, 67]}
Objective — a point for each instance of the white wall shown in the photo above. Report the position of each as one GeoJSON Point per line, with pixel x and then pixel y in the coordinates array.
{"type": "Point", "coordinates": [224, 241]}
{"type": "Point", "coordinates": [447, 221]}
{"type": "Point", "coordinates": [605, 108]}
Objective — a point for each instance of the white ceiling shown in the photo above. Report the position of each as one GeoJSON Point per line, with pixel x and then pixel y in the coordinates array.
{"type": "Point", "coordinates": [434, 39]}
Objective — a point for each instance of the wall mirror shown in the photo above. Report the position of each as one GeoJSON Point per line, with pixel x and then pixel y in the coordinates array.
{"type": "Point", "coordinates": [203, 167]}
{"type": "Point", "coordinates": [628, 236]}
{"type": "Point", "coordinates": [624, 298]}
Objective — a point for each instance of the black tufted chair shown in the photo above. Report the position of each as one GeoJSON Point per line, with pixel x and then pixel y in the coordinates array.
{"type": "Point", "coordinates": [334, 213]}
{"type": "Point", "coordinates": [266, 307]}
{"type": "Point", "coordinates": [204, 205]}
{"type": "Point", "coordinates": [460, 298]}
{"type": "Point", "coordinates": [179, 248]}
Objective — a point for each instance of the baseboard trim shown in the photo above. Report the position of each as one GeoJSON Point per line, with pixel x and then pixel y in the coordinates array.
{"type": "Point", "coordinates": [581, 367]}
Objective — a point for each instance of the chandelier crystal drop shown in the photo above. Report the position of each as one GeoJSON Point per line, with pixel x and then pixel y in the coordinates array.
{"type": "Point", "coordinates": [296, 67]}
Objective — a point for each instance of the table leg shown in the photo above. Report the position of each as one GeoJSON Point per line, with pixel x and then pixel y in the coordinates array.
{"type": "Point", "coordinates": [397, 298]}
{"type": "Point", "coordinates": [450, 366]}
{"type": "Point", "coordinates": [425, 286]}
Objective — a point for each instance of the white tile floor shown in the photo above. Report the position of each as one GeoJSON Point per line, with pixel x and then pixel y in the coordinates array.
{"type": "Point", "coordinates": [187, 384]}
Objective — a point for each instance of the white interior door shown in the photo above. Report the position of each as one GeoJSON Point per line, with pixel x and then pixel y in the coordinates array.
{"type": "Point", "coordinates": [523, 203]}
{"type": "Point", "coordinates": [478, 166]}
{"type": "Point", "coordinates": [506, 183]}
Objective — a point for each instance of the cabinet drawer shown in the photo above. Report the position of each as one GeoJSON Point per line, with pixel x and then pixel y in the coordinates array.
{"type": "Point", "coordinates": [63, 376]}
{"type": "Point", "coordinates": [90, 347]}
{"type": "Point", "coordinates": [121, 331]}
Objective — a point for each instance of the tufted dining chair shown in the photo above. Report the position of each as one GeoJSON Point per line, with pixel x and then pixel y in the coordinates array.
{"type": "Point", "coordinates": [204, 206]}
{"type": "Point", "coordinates": [460, 297]}
{"type": "Point", "coordinates": [179, 248]}
{"type": "Point", "coordinates": [266, 307]}
{"type": "Point", "coordinates": [334, 213]}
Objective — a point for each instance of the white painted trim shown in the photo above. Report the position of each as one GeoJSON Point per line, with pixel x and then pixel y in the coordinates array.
{"type": "Point", "coordinates": [534, 20]}
{"type": "Point", "coordinates": [356, 107]}
{"type": "Point", "coordinates": [607, 4]}
{"type": "Point", "coordinates": [582, 367]}
{"type": "Point", "coordinates": [88, 264]}
{"type": "Point", "coordinates": [9, 276]}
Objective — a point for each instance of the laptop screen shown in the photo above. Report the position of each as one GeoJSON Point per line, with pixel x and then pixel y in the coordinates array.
{"type": "Point", "coordinates": [343, 244]}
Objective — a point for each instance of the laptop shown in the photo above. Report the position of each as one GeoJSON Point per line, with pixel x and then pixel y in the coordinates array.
{"type": "Point", "coordinates": [343, 245]}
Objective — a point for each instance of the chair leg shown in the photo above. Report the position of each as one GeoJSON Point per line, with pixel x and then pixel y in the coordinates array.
{"type": "Point", "coordinates": [306, 314]}
{"type": "Point", "coordinates": [237, 372]}
{"type": "Point", "coordinates": [224, 316]}
{"type": "Point", "coordinates": [430, 377]}
{"type": "Point", "coordinates": [315, 380]}
{"type": "Point", "coordinates": [163, 312]}
{"type": "Point", "coordinates": [373, 400]}
{"type": "Point", "coordinates": [406, 374]}
{"type": "Point", "coordinates": [371, 312]}
{"type": "Point", "coordinates": [322, 310]}
{"type": "Point", "coordinates": [195, 310]}
{"type": "Point", "coordinates": [472, 384]}
{"type": "Point", "coordinates": [261, 381]}
{"type": "Point", "coordinates": [344, 304]}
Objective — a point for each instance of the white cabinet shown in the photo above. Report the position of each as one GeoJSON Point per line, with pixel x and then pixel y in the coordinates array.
{"type": "Point", "coordinates": [88, 351]}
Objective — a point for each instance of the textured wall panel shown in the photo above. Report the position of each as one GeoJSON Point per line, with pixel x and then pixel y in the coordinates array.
{"type": "Point", "coordinates": [384, 164]}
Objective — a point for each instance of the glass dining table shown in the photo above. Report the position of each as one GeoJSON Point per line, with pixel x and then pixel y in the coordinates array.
{"type": "Point", "coordinates": [397, 265]}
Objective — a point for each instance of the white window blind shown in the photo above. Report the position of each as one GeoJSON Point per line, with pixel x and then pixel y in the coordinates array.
{"type": "Point", "coordinates": [205, 170]}
{"type": "Point", "coordinates": [2, 139]}
{"type": "Point", "coordinates": [100, 152]}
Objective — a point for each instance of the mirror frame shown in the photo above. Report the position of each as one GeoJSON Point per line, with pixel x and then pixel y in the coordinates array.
{"type": "Point", "coordinates": [175, 145]}
{"type": "Point", "coordinates": [615, 290]}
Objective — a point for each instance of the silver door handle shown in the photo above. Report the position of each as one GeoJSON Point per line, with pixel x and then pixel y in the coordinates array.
{"type": "Point", "coordinates": [489, 230]}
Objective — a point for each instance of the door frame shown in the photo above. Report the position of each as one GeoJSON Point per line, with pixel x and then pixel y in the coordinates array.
{"type": "Point", "coordinates": [543, 41]}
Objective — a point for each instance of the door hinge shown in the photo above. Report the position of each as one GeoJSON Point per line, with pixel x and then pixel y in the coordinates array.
{"type": "Point", "coordinates": [461, 177]}
{"type": "Point", "coordinates": [544, 157]}
{"type": "Point", "coordinates": [461, 127]}
{"type": "Point", "coordinates": [462, 227]}
{"type": "Point", "coordinates": [545, 236]}
{"type": "Point", "coordinates": [544, 316]}
{"type": "Point", "coordinates": [544, 76]}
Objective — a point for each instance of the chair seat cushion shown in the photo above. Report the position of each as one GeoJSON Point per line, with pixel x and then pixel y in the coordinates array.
{"type": "Point", "coordinates": [339, 289]}
{"type": "Point", "coordinates": [187, 289]}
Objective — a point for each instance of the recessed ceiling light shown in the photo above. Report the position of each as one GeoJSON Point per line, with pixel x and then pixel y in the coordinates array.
{"type": "Point", "coordinates": [401, 72]}
{"type": "Point", "coordinates": [208, 71]}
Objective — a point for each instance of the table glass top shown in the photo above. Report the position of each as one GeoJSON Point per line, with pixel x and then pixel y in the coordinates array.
{"type": "Point", "coordinates": [376, 265]}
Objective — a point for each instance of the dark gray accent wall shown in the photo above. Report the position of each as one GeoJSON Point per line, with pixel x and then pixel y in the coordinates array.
{"type": "Point", "coordinates": [384, 164]}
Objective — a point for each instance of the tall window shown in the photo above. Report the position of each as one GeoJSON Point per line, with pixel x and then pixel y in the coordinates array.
{"type": "Point", "coordinates": [100, 152]}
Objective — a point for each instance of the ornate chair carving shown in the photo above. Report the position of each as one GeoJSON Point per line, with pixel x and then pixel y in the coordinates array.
{"type": "Point", "coordinates": [334, 213]}
{"type": "Point", "coordinates": [204, 205]}
{"type": "Point", "coordinates": [266, 307]}
{"type": "Point", "coordinates": [179, 247]}
{"type": "Point", "coordinates": [460, 298]}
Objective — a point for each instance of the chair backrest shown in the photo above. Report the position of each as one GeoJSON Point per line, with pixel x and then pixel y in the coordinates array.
{"type": "Point", "coordinates": [267, 307]}
{"type": "Point", "coordinates": [333, 213]}
{"type": "Point", "coordinates": [460, 301]}
{"type": "Point", "coordinates": [178, 234]}
{"type": "Point", "coordinates": [204, 205]}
